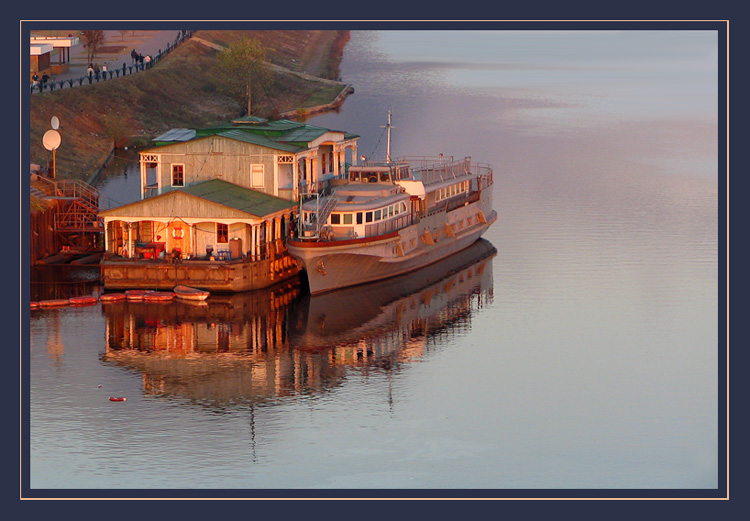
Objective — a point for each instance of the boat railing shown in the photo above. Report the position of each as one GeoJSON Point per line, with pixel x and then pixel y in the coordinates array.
{"type": "Point", "coordinates": [437, 169]}
{"type": "Point", "coordinates": [391, 225]}
{"type": "Point", "coordinates": [484, 175]}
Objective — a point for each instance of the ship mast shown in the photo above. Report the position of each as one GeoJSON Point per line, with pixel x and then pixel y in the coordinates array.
{"type": "Point", "coordinates": [388, 128]}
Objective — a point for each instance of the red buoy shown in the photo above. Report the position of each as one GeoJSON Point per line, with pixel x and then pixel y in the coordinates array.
{"type": "Point", "coordinates": [116, 399]}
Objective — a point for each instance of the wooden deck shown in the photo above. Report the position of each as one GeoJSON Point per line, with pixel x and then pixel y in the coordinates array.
{"type": "Point", "coordinates": [217, 275]}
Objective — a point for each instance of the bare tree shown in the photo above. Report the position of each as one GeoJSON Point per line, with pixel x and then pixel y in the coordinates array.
{"type": "Point", "coordinates": [243, 70]}
{"type": "Point", "coordinates": [92, 41]}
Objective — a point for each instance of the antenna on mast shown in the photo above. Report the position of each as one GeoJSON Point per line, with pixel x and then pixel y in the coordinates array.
{"type": "Point", "coordinates": [388, 127]}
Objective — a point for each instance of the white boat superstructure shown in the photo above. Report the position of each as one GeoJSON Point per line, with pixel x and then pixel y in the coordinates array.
{"type": "Point", "coordinates": [390, 218]}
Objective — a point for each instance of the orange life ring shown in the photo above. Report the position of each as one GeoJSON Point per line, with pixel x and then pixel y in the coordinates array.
{"type": "Point", "coordinates": [177, 233]}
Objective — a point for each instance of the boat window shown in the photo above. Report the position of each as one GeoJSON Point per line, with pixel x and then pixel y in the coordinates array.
{"type": "Point", "coordinates": [347, 218]}
{"type": "Point", "coordinates": [384, 177]}
{"type": "Point", "coordinates": [335, 218]}
{"type": "Point", "coordinates": [390, 211]}
{"type": "Point", "coordinates": [368, 217]}
{"type": "Point", "coordinates": [359, 217]}
{"type": "Point", "coordinates": [353, 176]}
{"type": "Point", "coordinates": [377, 215]}
{"type": "Point", "coordinates": [403, 207]}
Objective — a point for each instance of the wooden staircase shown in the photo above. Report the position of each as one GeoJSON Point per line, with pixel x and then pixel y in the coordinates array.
{"type": "Point", "coordinates": [78, 206]}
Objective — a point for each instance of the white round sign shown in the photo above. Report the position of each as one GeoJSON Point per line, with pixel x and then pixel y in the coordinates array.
{"type": "Point", "coordinates": [51, 140]}
{"type": "Point", "coordinates": [55, 122]}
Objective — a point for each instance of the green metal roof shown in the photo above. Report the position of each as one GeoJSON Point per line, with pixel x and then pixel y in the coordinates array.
{"type": "Point", "coordinates": [286, 135]}
{"type": "Point", "coordinates": [238, 197]}
{"type": "Point", "coordinates": [259, 139]}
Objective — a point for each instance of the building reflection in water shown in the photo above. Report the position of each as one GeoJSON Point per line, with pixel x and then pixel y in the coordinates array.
{"type": "Point", "coordinates": [262, 345]}
{"type": "Point", "coordinates": [63, 281]}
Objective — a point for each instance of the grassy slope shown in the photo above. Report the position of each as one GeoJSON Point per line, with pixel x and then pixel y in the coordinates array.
{"type": "Point", "coordinates": [180, 91]}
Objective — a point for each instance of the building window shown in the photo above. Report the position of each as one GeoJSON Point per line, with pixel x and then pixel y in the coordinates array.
{"type": "Point", "coordinates": [222, 233]}
{"type": "Point", "coordinates": [178, 175]}
{"type": "Point", "coordinates": [256, 176]}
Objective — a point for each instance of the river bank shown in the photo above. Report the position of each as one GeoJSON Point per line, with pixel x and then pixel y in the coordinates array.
{"type": "Point", "coordinates": [181, 91]}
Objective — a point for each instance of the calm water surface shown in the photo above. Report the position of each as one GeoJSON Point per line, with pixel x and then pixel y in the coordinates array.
{"type": "Point", "coordinates": [575, 347]}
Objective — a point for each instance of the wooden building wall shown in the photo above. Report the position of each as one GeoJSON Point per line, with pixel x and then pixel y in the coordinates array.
{"type": "Point", "coordinates": [217, 157]}
{"type": "Point", "coordinates": [44, 241]}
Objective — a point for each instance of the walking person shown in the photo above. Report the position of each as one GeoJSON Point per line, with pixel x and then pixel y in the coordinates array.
{"type": "Point", "coordinates": [133, 56]}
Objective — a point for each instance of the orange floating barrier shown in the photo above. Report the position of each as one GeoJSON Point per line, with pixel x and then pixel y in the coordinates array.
{"type": "Point", "coordinates": [158, 296]}
{"type": "Point", "coordinates": [82, 301]}
{"type": "Point", "coordinates": [112, 297]}
{"type": "Point", "coordinates": [135, 294]}
{"type": "Point", "coordinates": [34, 304]}
{"type": "Point", "coordinates": [54, 303]}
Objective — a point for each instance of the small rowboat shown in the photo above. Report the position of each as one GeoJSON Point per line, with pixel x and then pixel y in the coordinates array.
{"type": "Point", "coordinates": [82, 301]}
{"type": "Point", "coordinates": [158, 296]}
{"type": "Point", "coordinates": [188, 293]}
{"type": "Point", "coordinates": [112, 297]}
{"type": "Point", "coordinates": [135, 294]}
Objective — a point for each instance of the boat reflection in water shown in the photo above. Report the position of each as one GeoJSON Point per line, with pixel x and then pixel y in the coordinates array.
{"type": "Point", "coordinates": [376, 322]}
{"type": "Point", "coordinates": [261, 345]}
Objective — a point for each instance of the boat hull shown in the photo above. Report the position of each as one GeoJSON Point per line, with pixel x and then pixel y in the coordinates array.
{"type": "Point", "coordinates": [187, 293]}
{"type": "Point", "coordinates": [331, 267]}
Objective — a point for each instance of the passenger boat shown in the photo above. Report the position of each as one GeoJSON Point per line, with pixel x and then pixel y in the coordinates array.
{"type": "Point", "coordinates": [390, 218]}
{"type": "Point", "coordinates": [188, 293]}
